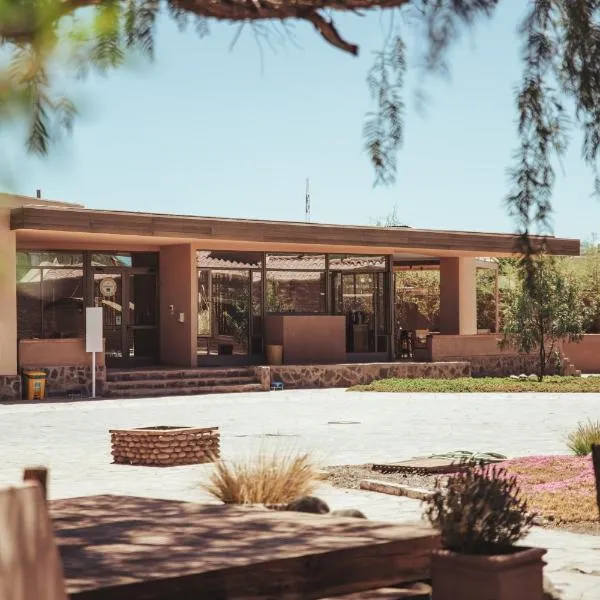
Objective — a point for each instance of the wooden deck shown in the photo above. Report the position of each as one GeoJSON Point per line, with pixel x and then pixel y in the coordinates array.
{"type": "Point", "coordinates": [129, 548]}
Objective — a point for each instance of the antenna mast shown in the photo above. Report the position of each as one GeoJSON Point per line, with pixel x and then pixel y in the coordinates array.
{"type": "Point", "coordinates": [307, 201]}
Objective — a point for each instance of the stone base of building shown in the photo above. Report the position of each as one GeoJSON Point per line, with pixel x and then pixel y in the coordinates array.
{"type": "Point", "coordinates": [165, 446]}
{"type": "Point", "coordinates": [346, 375]}
{"type": "Point", "coordinates": [503, 365]}
{"type": "Point", "coordinates": [63, 381]}
{"type": "Point", "coordinates": [10, 387]}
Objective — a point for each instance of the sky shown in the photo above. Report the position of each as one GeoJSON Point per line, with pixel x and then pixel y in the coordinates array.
{"type": "Point", "coordinates": [218, 131]}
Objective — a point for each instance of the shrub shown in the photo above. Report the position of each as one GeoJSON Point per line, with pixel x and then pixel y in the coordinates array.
{"type": "Point", "coordinates": [479, 511]}
{"type": "Point", "coordinates": [275, 478]}
{"type": "Point", "coordinates": [580, 441]}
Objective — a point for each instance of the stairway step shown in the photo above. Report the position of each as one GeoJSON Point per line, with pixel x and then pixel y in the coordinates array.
{"type": "Point", "coordinates": [141, 392]}
{"type": "Point", "coordinates": [193, 382]}
{"type": "Point", "coordinates": [142, 374]}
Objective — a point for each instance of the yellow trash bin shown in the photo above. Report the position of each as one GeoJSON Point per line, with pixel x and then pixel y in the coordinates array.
{"type": "Point", "coordinates": [35, 384]}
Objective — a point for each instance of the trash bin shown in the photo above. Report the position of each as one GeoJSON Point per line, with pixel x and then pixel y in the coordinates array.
{"type": "Point", "coordinates": [35, 384]}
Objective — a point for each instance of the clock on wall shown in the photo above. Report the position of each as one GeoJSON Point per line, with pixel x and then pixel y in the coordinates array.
{"type": "Point", "coordinates": [108, 287]}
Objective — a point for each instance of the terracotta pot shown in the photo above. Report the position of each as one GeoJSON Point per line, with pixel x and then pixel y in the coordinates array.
{"type": "Point", "coordinates": [515, 576]}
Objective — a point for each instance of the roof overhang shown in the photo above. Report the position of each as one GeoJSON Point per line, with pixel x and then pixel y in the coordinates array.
{"type": "Point", "coordinates": [78, 225]}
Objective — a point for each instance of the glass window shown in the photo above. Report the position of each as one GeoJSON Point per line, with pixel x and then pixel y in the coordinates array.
{"type": "Point", "coordinates": [221, 259]}
{"type": "Point", "coordinates": [112, 260]}
{"type": "Point", "coordinates": [50, 303]}
{"type": "Point", "coordinates": [296, 262]}
{"type": "Point", "coordinates": [49, 259]}
{"type": "Point", "coordinates": [295, 292]}
{"type": "Point", "coordinates": [354, 263]}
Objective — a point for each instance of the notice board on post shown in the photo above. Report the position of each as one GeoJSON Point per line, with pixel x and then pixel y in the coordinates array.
{"type": "Point", "coordinates": [93, 330]}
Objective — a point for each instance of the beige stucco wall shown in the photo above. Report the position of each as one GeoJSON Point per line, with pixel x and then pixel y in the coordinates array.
{"type": "Point", "coordinates": [8, 295]}
{"type": "Point", "coordinates": [178, 282]}
{"type": "Point", "coordinates": [458, 296]}
{"type": "Point", "coordinates": [68, 352]}
{"type": "Point", "coordinates": [308, 338]}
{"type": "Point", "coordinates": [450, 346]}
{"type": "Point", "coordinates": [584, 355]}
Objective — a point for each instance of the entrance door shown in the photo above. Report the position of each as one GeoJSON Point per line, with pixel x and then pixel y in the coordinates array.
{"type": "Point", "coordinates": [129, 299]}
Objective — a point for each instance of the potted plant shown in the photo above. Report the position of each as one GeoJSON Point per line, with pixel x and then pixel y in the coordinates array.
{"type": "Point", "coordinates": [481, 516]}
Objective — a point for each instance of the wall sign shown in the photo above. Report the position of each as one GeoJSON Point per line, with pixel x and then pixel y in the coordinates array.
{"type": "Point", "coordinates": [108, 287]}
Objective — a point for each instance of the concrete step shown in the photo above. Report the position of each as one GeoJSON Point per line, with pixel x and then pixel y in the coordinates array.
{"type": "Point", "coordinates": [142, 374]}
{"type": "Point", "coordinates": [192, 382]}
{"type": "Point", "coordinates": [148, 392]}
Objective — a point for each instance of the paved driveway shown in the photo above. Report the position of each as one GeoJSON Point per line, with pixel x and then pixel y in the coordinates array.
{"type": "Point", "coordinates": [72, 438]}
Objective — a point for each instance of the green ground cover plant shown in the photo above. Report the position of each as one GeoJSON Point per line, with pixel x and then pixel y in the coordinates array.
{"type": "Point", "coordinates": [554, 384]}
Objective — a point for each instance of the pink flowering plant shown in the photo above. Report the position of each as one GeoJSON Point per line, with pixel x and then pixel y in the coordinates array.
{"type": "Point", "coordinates": [479, 510]}
{"type": "Point", "coordinates": [560, 488]}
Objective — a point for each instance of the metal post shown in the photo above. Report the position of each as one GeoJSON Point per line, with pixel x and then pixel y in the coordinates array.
{"type": "Point", "coordinates": [93, 374]}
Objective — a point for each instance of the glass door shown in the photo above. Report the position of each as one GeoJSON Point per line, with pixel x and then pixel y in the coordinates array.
{"type": "Point", "coordinates": [224, 309]}
{"type": "Point", "coordinates": [130, 308]}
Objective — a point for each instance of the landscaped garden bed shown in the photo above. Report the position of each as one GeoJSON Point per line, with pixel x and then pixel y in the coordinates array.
{"type": "Point", "coordinates": [553, 385]}
{"type": "Point", "coordinates": [560, 489]}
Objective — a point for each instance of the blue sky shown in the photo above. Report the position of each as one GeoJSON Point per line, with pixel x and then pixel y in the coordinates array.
{"type": "Point", "coordinates": [209, 131]}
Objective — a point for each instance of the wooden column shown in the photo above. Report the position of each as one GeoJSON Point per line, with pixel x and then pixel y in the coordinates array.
{"type": "Point", "coordinates": [596, 462]}
{"type": "Point", "coordinates": [39, 474]}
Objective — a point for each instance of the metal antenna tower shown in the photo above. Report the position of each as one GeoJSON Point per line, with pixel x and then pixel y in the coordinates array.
{"type": "Point", "coordinates": [307, 201]}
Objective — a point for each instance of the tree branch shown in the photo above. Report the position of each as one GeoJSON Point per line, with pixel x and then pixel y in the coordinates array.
{"type": "Point", "coordinates": [328, 31]}
{"type": "Point", "coordinates": [24, 26]}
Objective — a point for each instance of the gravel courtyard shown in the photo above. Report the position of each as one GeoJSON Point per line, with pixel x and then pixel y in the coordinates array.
{"type": "Point", "coordinates": [337, 426]}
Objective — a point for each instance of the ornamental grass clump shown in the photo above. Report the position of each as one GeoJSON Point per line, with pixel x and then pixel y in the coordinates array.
{"type": "Point", "coordinates": [268, 478]}
{"type": "Point", "coordinates": [580, 441]}
{"type": "Point", "coordinates": [479, 510]}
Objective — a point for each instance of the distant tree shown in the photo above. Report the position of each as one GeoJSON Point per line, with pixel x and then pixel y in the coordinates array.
{"type": "Point", "coordinates": [486, 299]}
{"type": "Point", "coordinates": [392, 219]}
{"type": "Point", "coordinates": [587, 270]}
{"type": "Point", "coordinates": [544, 310]}
{"type": "Point", "coordinates": [421, 290]}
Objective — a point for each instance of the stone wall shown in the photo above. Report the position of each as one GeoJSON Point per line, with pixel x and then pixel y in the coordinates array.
{"type": "Point", "coordinates": [330, 376]}
{"type": "Point", "coordinates": [263, 376]}
{"type": "Point", "coordinates": [165, 446]}
{"type": "Point", "coordinates": [10, 387]}
{"type": "Point", "coordinates": [63, 381]}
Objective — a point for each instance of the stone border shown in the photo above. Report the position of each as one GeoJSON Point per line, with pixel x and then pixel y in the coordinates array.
{"type": "Point", "coordinates": [165, 446]}
{"type": "Point", "coordinates": [395, 489]}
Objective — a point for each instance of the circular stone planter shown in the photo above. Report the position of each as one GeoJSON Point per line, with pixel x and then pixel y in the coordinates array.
{"type": "Point", "coordinates": [165, 446]}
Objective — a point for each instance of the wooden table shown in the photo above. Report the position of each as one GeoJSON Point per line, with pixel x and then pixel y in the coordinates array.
{"type": "Point", "coordinates": [129, 548]}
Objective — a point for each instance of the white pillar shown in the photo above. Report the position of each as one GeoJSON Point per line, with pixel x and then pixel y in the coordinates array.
{"type": "Point", "coordinates": [458, 296]}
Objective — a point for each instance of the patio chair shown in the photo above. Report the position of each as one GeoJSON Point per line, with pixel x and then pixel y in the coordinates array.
{"type": "Point", "coordinates": [30, 567]}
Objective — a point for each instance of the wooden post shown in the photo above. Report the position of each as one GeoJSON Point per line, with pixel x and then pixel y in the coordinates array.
{"type": "Point", "coordinates": [39, 474]}
{"type": "Point", "coordinates": [596, 461]}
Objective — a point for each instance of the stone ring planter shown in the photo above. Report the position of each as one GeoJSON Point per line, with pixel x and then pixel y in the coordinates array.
{"type": "Point", "coordinates": [165, 446]}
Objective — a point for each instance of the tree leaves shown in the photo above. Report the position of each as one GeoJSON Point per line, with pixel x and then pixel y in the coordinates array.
{"type": "Point", "coordinates": [383, 130]}
{"type": "Point", "coordinates": [546, 308]}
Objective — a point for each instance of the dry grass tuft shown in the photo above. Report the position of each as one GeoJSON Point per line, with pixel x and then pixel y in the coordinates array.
{"type": "Point", "coordinates": [580, 441]}
{"type": "Point", "coordinates": [268, 478]}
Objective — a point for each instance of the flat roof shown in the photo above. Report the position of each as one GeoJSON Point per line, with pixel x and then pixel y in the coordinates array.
{"type": "Point", "coordinates": [75, 223]}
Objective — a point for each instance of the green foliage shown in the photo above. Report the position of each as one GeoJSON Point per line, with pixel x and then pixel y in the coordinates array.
{"type": "Point", "coordinates": [479, 510]}
{"type": "Point", "coordinates": [559, 84]}
{"type": "Point", "coordinates": [486, 299]}
{"type": "Point", "coordinates": [580, 441]}
{"type": "Point", "coordinates": [420, 289]}
{"type": "Point", "coordinates": [545, 308]}
{"type": "Point", "coordinates": [495, 385]}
